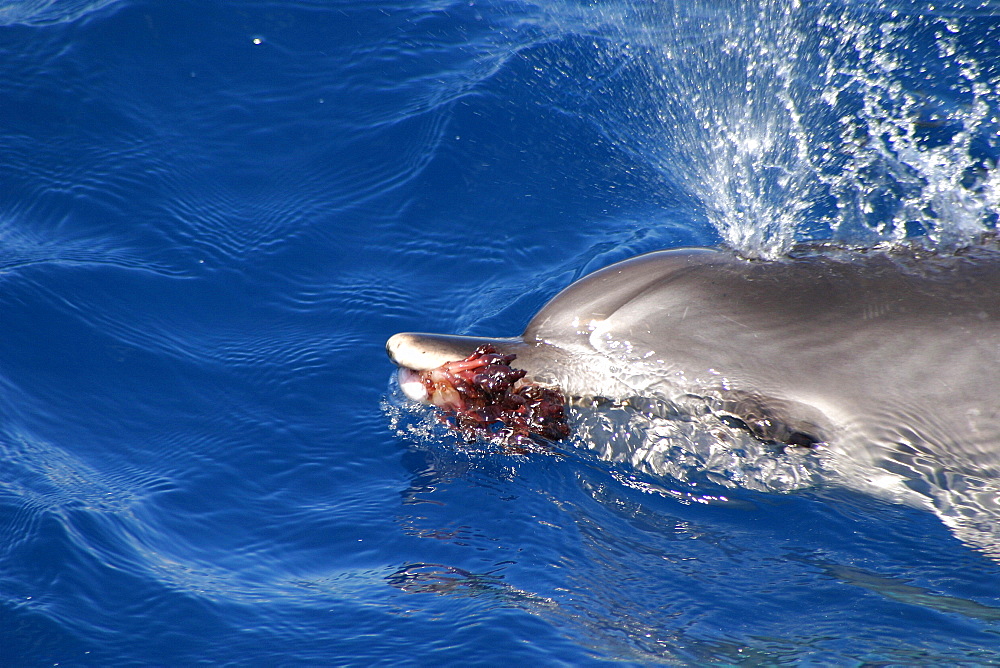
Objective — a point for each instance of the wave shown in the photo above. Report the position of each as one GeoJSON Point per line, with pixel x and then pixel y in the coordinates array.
{"type": "Point", "coordinates": [48, 12]}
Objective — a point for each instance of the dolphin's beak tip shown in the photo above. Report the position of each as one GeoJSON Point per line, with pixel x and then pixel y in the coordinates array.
{"type": "Point", "coordinates": [392, 344]}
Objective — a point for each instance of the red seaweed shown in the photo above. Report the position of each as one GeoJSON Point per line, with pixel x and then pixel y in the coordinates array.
{"type": "Point", "coordinates": [482, 396]}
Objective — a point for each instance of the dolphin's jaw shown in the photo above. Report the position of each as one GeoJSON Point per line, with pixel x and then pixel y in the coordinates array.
{"type": "Point", "coordinates": [412, 384]}
{"type": "Point", "coordinates": [422, 352]}
{"type": "Point", "coordinates": [428, 362]}
{"type": "Point", "coordinates": [411, 351]}
{"type": "Point", "coordinates": [480, 395]}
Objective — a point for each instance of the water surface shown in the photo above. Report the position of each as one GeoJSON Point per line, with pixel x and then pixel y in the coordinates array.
{"type": "Point", "coordinates": [213, 215]}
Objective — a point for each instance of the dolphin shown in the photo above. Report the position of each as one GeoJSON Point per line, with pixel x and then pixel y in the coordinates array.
{"type": "Point", "coordinates": [889, 360]}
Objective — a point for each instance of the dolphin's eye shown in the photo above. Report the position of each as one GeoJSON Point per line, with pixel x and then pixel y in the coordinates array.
{"type": "Point", "coordinates": [802, 439]}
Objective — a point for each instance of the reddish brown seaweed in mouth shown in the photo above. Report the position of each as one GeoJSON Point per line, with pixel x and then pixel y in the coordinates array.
{"type": "Point", "coordinates": [483, 396]}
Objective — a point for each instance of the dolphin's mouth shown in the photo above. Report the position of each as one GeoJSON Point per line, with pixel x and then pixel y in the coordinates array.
{"type": "Point", "coordinates": [412, 384]}
{"type": "Point", "coordinates": [483, 396]}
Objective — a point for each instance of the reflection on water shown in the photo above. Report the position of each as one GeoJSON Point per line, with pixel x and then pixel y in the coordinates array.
{"type": "Point", "coordinates": [45, 12]}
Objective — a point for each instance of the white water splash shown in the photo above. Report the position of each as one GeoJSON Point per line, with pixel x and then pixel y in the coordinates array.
{"type": "Point", "coordinates": [794, 121]}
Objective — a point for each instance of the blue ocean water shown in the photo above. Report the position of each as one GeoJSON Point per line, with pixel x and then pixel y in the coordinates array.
{"type": "Point", "coordinates": [212, 215]}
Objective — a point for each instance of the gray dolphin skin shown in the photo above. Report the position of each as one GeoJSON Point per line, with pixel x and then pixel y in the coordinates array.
{"type": "Point", "coordinates": [889, 361]}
